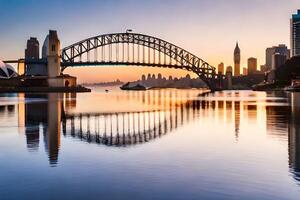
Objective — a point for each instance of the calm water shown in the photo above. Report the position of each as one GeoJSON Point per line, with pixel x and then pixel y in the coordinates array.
{"type": "Point", "coordinates": [164, 144]}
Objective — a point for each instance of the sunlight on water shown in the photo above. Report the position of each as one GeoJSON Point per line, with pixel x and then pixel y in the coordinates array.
{"type": "Point", "coordinates": [157, 144]}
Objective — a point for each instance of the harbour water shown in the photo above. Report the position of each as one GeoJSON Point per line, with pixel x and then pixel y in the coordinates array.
{"type": "Point", "coordinates": [159, 144]}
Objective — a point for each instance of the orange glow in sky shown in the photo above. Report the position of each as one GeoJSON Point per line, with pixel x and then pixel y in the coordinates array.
{"type": "Point", "coordinates": [107, 74]}
{"type": "Point", "coordinates": [208, 29]}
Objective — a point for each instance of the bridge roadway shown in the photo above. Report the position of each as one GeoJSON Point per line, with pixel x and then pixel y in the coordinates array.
{"type": "Point", "coordinates": [117, 63]}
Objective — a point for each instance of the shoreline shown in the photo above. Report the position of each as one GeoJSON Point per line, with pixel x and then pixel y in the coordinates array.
{"type": "Point", "coordinates": [79, 89]}
{"type": "Point", "coordinates": [179, 88]}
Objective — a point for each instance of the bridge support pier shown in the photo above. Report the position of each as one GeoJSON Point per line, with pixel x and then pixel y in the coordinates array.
{"type": "Point", "coordinates": [53, 59]}
{"type": "Point", "coordinates": [216, 83]}
{"type": "Point", "coordinates": [21, 66]}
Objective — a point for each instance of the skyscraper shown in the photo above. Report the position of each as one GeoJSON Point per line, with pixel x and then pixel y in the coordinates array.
{"type": "Point", "coordinates": [280, 49]}
{"type": "Point", "coordinates": [295, 34]}
{"type": "Point", "coordinates": [237, 60]}
{"type": "Point", "coordinates": [269, 53]}
{"type": "Point", "coordinates": [252, 65]}
{"type": "Point", "coordinates": [32, 49]}
{"type": "Point", "coordinates": [278, 60]}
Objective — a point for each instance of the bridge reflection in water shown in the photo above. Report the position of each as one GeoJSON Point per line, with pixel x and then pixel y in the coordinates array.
{"type": "Point", "coordinates": [53, 114]}
{"type": "Point", "coordinates": [128, 128]}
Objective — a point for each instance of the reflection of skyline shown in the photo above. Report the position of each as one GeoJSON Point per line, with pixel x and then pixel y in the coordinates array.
{"type": "Point", "coordinates": [294, 136]}
{"type": "Point", "coordinates": [43, 115]}
{"type": "Point", "coordinates": [173, 109]}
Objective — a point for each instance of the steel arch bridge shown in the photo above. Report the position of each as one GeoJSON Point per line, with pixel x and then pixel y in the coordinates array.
{"type": "Point", "coordinates": [139, 50]}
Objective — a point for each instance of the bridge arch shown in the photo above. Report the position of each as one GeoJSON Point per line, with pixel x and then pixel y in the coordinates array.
{"type": "Point", "coordinates": [72, 55]}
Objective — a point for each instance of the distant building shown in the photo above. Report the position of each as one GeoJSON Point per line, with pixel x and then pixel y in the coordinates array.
{"type": "Point", "coordinates": [159, 77]}
{"type": "Point", "coordinates": [237, 60]}
{"type": "Point", "coordinates": [295, 34]}
{"type": "Point", "coordinates": [163, 82]}
{"type": "Point", "coordinates": [32, 51]}
{"type": "Point", "coordinates": [245, 71]}
{"type": "Point", "coordinates": [252, 65]}
{"type": "Point", "coordinates": [221, 68]}
{"type": "Point", "coordinates": [269, 53]}
{"type": "Point", "coordinates": [143, 77]}
{"type": "Point", "coordinates": [264, 68]}
{"type": "Point", "coordinates": [229, 78]}
{"type": "Point", "coordinates": [280, 49]}
{"type": "Point", "coordinates": [278, 60]}
{"type": "Point", "coordinates": [229, 69]}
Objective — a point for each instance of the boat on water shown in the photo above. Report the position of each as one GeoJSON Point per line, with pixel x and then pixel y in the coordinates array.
{"type": "Point", "coordinates": [127, 86]}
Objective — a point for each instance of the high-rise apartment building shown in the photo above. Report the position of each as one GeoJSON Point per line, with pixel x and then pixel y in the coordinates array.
{"type": "Point", "coordinates": [278, 60]}
{"type": "Point", "coordinates": [295, 34]}
{"type": "Point", "coordinates": [280, 49]}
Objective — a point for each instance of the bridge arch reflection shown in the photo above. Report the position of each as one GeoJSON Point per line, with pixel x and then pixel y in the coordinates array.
{"type": "Point", "coordinates": [48, 117]}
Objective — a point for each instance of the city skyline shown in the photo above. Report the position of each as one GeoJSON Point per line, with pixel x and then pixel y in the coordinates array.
{"type": "Point", "coordinates": [197, 30]}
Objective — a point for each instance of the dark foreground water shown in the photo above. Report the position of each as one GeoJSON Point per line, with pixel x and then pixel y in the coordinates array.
{"type": "Point", "coordinates": [164, 144]}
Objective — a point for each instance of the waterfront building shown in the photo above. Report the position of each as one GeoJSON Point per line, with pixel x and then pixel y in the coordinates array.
{"type": "Point", "coordinates": [252, 65]}
{"type": "Point", "coordinates": [48, 72]}
{"type": "Point", "coordinates": [237, 60]}
{"type": "Point", "coordinates": [280, 49]}
{"type": "Point", "coordinates": [221, 68]}
{"type": "Point", "coordinates": [7, 71]}
{"type": "Point", "coordinates": [295, 34]}
{"type": "Point", "coordinates": [278, 60]}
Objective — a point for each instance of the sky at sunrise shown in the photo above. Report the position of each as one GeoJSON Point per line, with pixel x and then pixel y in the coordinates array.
{"type": "Point", "coordinates": [206, 28]}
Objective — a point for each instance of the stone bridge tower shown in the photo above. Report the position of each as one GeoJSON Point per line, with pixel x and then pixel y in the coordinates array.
{"type": "Point", "coordinates": [51, 52]}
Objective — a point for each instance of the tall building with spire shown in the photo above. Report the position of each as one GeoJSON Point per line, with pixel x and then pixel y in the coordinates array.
{"type": "Point", "coordinates": [237, 60]}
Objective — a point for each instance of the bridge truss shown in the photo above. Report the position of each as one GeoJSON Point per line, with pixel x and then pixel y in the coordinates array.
{"type": "Point", "coordinates": [135, 49]}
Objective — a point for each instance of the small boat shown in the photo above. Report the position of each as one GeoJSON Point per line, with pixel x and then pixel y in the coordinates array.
{"type": "Point", "coordinates": [135, 87]}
